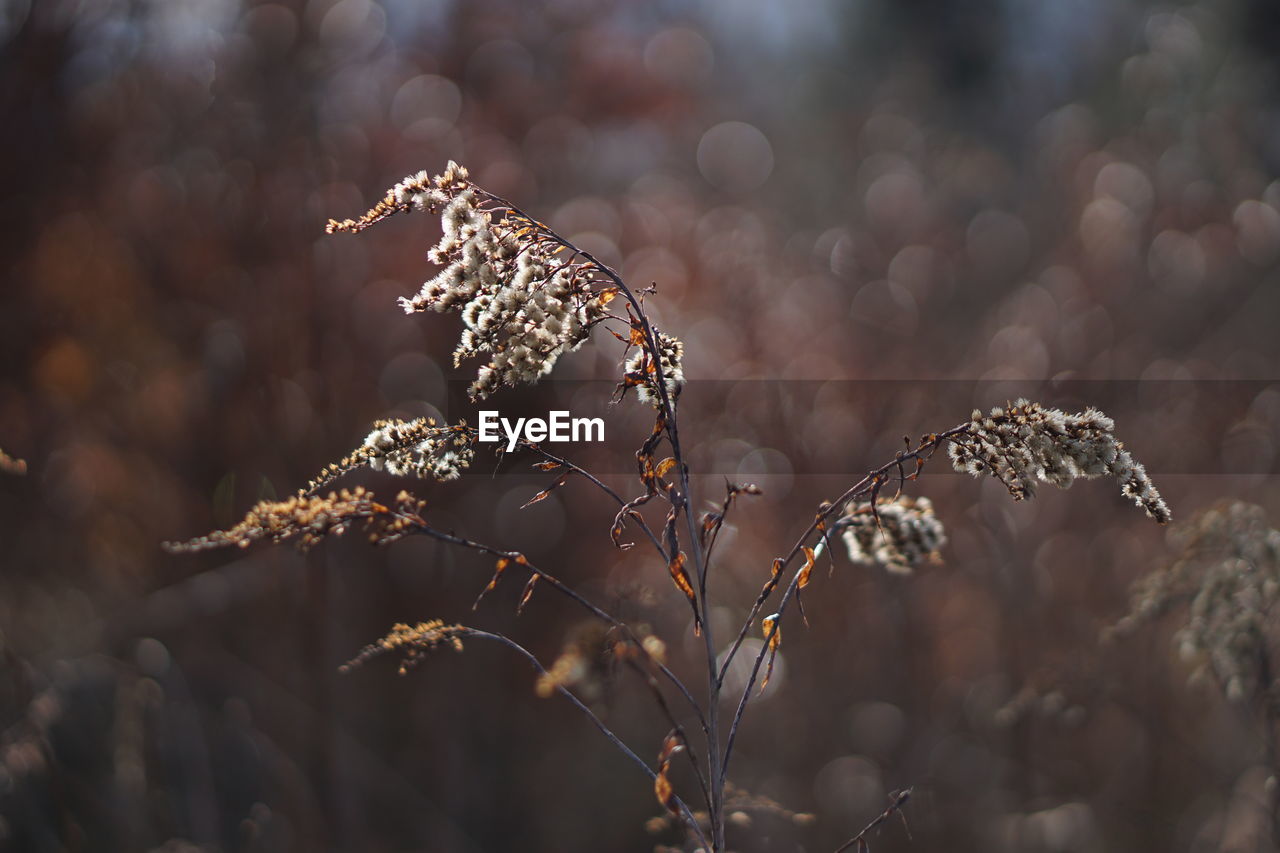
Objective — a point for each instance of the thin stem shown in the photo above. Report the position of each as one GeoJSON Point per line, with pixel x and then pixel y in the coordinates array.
{"type": "Point", "coordinates": [621, 501]}
{"type": "Point", "coordinates": [871, 482]}
{"type": "Point", "coordinates": [714, 767]}
{"type": "Point", "coordinates": [595, 720]}
{"type": "Point", "coordinates": [899, 800]}
{"type": "Point", "coordinates": [679, 729]}
{"type": "Point", "coordinates": [427, 530]}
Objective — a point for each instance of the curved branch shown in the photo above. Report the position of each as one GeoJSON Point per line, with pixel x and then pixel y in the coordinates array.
{"type": "Point", "coordinates": [621, 501]}
{"type": "Point", "coordinates": [871, 482]}
{"type": "Point", "coordinates": [420, 526]}
{"type": "Point", "coordinates": [715, 767]}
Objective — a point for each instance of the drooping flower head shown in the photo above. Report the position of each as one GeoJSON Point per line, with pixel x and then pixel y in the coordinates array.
{"type": "Point", "coordinates": [1026, 442]}
{"type": "Point", "coordinates": [524, 295]}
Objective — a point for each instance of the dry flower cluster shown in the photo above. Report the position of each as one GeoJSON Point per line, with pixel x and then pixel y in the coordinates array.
{"type": "Point", "coordinates": [900, 533]}
{"type": "Point", "coordinates": [1026, 442]}
{"type": "Point", "coordinates": [524, 298]}
{"type": "Point", "coordinates": [309, 519]}
{"type": "Point", "coordinates": [640, 371]}
{"type": "Point", "coordinates": [1228, 578]}
{"type": "Point", "coordinates": [416, 448]}
{"type": "Point", "coordinates": [526, 295]}
{"type": "Point", "coordinates": [412, 643]}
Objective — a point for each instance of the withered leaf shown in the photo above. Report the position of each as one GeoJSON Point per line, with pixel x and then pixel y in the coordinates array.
{"type": "Point", "coordinates": [644, 464]}
{"type": "Point", "coordinates": [809, 560]}
{"type": "Point", "coordinates": [711, 522]}
{"type": "Point", "coordinates": [774, 635]}
{"type": "Point", "coordinates": [681, 578]}
{"type": "Point", "coordinates": [527, 594]}
{"type": "Point", "coordinates": [498, 569]}
{"type": "Point", "coordinates": [662, 789]}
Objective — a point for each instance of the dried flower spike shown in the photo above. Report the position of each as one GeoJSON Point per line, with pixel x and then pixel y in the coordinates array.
{"type": "Point", "coordinates": [524, 300]}
{"type": "Point", "coordinates": [583, 664]}
{"type": "Point", "coordinates": [308, 519]}
{"type": "Point", "coordinates": [416, 448]}
{"type": "Point", "coordinates": [1228, 576]}
{"type": "Point", "coordinates": [416, 192]}
{"type": "Point", "coordinates": [1026, 442]}
{"type": "Point", "coordinates": [899, 534]}
{"type": "Point", "coordinates": [412, 643]}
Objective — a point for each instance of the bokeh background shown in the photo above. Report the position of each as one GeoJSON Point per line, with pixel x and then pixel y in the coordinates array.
{"type": "Point", "coordinates": [863, 219]}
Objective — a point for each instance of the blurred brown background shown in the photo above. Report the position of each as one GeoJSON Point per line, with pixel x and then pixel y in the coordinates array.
{"type": "Point", "coordinates": [970, 199]}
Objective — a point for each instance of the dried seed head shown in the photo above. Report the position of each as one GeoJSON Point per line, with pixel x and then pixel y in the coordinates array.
{"type": "Point", "coordinates": [1227, 575]}
{"type": "Point", "coordinates": [308, 519]}
{"type": "Point", "coordinates": [899, 534]}
{"type": "Point", "coordinates": [640, 370]}
{"type": "Point", "coordinates": [1027, 442]}
{"type": "Point", "coordinates": [416, 448]}
{"type": "Point", "coordinates": [412, 643]}
{"type": "Point", "coordinates": [583, 664]}
{"type": "Point", "coordinates": [525, 301]}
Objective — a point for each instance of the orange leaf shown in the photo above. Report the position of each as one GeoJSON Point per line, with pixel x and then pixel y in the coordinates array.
{"type": "Point", "coordinates": [774, 635]}
{"type": "Point", "coordinates": [662, 789]}
{"type": "Point", "coordinates": [681, 578]}
{"type": "Point", "coordinates": [809, 560]}
{"type": "Point", "coordinates": [528, 593]}
{"type": "Point", "coordinates": [498, 569]}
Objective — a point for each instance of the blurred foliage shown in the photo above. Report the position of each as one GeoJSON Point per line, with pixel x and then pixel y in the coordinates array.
{"type": "Point", "coordinates": [932, 192]}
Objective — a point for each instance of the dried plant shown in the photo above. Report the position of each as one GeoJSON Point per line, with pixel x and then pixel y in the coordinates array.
{"type": "Point", "coordinates": [527, 295]}
{"type": "Point", "coordinates": [1226, 581]}
{"type": "Point", "coordinates": [899, 534]}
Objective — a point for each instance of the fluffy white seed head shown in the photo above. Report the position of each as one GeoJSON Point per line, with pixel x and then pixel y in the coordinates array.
{"type": "Point", "coordinates": [900, 534]}
{"type": "Point", "coordinates": [1026, 442]}
{"type": "Point", "coordinates": [641, 372]}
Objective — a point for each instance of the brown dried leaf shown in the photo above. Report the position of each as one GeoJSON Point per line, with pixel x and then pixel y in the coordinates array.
{"type": "Point", "coordinates": [809, 560]}
{"type": "Point", "coordinates": [644, 463]}
{"type": "Point", "coordinates": [527, 594]}
{"type": "Point", "coordinates": [498, 569]}
{"type": "Point", "coordinates": [681, 578]}
{"type": "Point", "coordinates": [774, 635]}
{"type": "Point", "coordinates": [662, 789]}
